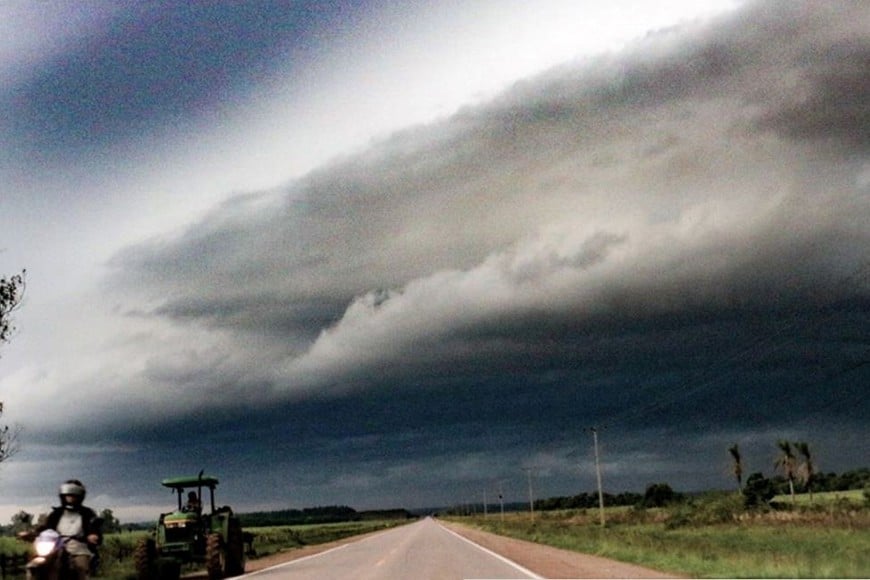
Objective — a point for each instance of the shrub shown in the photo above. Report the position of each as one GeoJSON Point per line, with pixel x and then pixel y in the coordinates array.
{"type": "Point", "coordinates": [658, 495]}
{"type": "Point", "coordinates": [758, 491]}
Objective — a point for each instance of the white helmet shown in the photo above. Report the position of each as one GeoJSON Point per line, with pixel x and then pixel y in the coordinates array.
{"type": "Point", "coordinates": [72, 487]}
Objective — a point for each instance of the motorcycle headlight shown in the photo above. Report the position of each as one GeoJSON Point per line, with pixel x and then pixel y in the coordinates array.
{"type": "Point", "coordinates": [45, 542]}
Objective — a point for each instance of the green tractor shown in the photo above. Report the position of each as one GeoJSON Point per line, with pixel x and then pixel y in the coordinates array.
{"type": "Point", "coordinates": [192, 534]}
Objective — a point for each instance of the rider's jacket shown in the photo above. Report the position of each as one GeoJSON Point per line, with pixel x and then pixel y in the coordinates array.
{"type": "Point", "coordinates": [76, 524]}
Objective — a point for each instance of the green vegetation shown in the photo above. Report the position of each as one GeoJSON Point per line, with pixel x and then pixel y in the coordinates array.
{"type": "Point", "coordinates": [823, 499]}
{"type": "Point", "coordinates": [768, 529]}
{"type": "Point", "coordinates": [758, 491]}
{"type": "Point", "coordinates": [10, 546]}
{"type": "Point", "coordinates": [712, 535]}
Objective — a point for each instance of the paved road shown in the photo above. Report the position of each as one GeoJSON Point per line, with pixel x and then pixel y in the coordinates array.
{"type": "Point", "coordinates": [419, 551]}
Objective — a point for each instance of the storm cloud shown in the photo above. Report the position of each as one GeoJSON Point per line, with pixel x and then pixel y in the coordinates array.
{"type": "Point", "coordinates": [702, 179]}
{"type": "Point", "coordinates": [670, 240]}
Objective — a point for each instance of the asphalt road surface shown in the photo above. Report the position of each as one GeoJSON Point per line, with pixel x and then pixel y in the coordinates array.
{"type": "Point", "coordinates": [419, 551]}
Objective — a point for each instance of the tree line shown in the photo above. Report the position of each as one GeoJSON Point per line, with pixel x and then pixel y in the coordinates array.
{"type": "Point", "coordinates": [757, 490]}
{"type": "Point", "coordinates": [317, 515]}
{"type": "Point", "coordinates": [795, 472]}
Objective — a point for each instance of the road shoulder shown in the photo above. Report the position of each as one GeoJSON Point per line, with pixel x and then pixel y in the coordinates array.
{"type": "Point", "coordinates": [552, 562]}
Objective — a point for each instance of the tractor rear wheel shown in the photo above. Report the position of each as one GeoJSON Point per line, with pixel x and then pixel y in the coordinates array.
{"type": "Point", "coordinates": [215, 556]}
{"type": "Point", "coordinates": [143, 557]}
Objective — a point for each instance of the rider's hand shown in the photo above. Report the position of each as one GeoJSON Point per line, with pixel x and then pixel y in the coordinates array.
{"type": "Point", "coordinates": [93, 539]}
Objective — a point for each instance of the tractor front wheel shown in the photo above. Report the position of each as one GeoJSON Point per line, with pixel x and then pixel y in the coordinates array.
{"type": "Point", "coordinates": [215, 556]}
{"type": "Point", "coordinates": [235, 550]}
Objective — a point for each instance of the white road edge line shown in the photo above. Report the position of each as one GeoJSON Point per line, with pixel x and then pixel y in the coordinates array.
{"type": "Point", "coordinates": [491, 553]}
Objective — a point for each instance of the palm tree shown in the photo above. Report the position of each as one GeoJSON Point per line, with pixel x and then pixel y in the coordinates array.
{"type": "Point", "coordinates": [807, 470]}
{"type": "Point", "coordinates": [787, 462]}
{"type": "Point", "coordinates": [738, 465]}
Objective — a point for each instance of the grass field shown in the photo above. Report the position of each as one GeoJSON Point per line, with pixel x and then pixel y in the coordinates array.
{"type": "Point", "coordinates": [854, 496]}
{"type": "Point", "coordinates": [710, 539]}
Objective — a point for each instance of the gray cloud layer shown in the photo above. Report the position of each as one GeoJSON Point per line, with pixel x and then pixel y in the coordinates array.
{"type": "Point", "coordinates": [673, 235]}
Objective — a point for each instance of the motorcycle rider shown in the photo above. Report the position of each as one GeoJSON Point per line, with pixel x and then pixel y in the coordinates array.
{"type": "Point", "coordinates": [79, 525]}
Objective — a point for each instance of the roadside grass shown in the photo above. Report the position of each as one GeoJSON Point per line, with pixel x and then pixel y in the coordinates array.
{"type": "Point", "coordinates": [116, 553]}
{"type": "Point", "coordinates": [11, 546]}
{"type": "Point", "coordinates": [702, 540]}
{"type": "Point", "coordinates": [854, 496]}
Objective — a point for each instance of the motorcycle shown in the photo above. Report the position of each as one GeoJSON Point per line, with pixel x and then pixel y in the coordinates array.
{"type": "Point", "coordinates": [51, 559]}
{"type": "Point", "coordinates": [50, 555]}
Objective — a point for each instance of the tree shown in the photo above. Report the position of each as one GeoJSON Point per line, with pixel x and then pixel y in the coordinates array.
{"type": "Point", "coordinates": [110, 522]}
{"type": "Point", "coordinates": [738, 465]}
{"type": "Point", "coordinates": [787, 463]}
{"type": "Point", "coordinates": [806, 471]}
{"type": "Point", "coordinates": [21, 522]}
{"type": "Point", "coordinates": [758, 491]}
{"type": "Point", "coordinates": [11, 293]}
{"type": "Point", "coordinates": [658, 495]}
{"type": "Point", "coordinates": [8, 439]}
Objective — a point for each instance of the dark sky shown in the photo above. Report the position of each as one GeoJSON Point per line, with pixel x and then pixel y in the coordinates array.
{"type": "Point", "coordinates": [667, 241]}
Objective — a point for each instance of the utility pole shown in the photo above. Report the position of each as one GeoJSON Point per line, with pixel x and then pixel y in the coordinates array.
{"type": "Point", "coordinates": [528, 471]}
{"type": "Point", "coordinates": [598, 474]}
{"type": "Point", "coordinates": [501, 499]}
{"type": "Point", "coordinates": [485, 513]}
